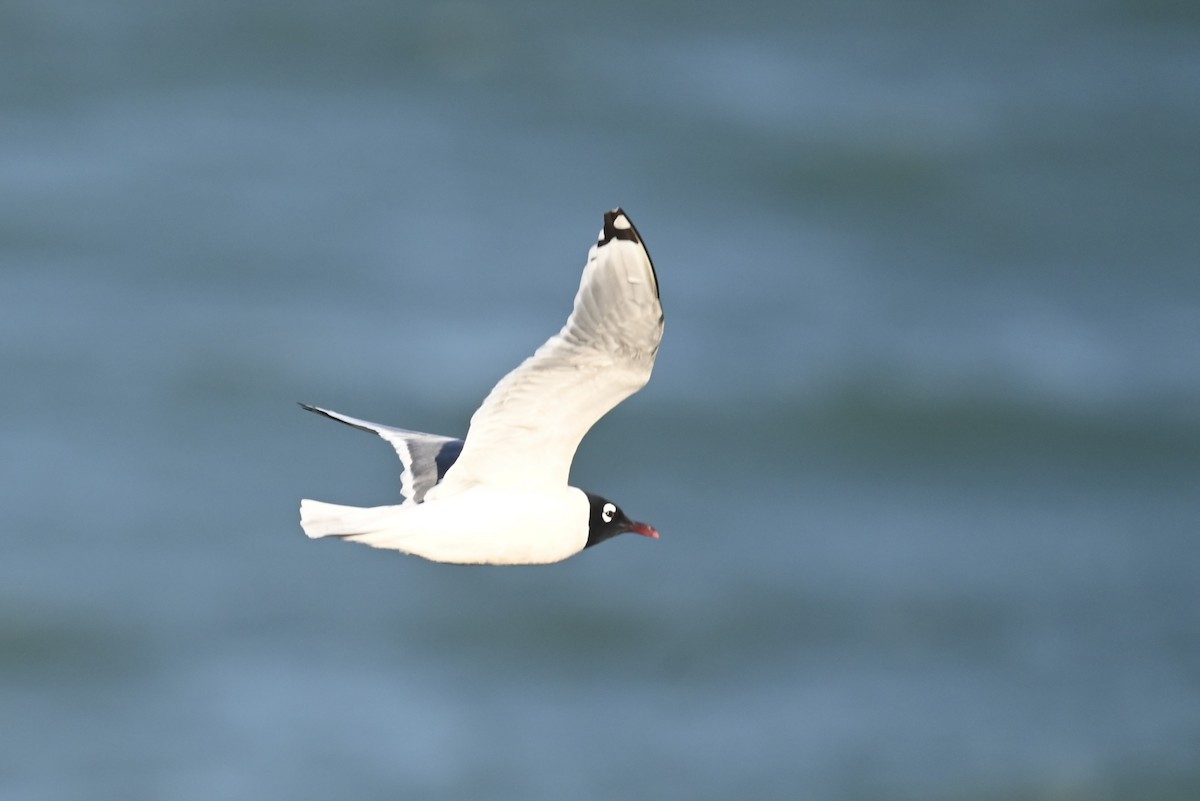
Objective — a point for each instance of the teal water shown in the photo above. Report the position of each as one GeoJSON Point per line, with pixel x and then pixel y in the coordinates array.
{"type": "Point", "coordinates": [923, 440]}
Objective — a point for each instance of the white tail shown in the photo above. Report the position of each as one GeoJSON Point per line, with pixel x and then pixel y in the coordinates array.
{"type": "Point", "coordinates": [320, 519]}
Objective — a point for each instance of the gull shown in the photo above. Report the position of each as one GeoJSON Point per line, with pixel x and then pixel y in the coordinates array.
{"type": "Point", "coordinates": [501, 495]}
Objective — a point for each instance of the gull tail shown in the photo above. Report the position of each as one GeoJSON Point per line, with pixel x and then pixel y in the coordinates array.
{"type": "Point", "coordinates": [320, 519]}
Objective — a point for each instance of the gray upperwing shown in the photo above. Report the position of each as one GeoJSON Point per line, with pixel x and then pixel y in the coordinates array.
{"type": "Point", "coordinates": [425, 457]}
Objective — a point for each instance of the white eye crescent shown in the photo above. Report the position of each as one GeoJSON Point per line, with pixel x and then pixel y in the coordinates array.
{"type": "Point", "coordinates": [608, 513]}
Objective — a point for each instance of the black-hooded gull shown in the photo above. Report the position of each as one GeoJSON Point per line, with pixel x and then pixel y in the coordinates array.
{"type": "Point", "coordinates": [501, 495]}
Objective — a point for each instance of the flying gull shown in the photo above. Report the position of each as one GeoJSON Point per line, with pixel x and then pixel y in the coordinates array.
{"type": "Point", "coordinates": [501, 495]}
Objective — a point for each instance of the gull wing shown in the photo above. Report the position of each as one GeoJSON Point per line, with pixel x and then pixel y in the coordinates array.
{"type": "Point", "coordinates": [525, 434]}
{"type": "Point", "coordinates": [425, 457]}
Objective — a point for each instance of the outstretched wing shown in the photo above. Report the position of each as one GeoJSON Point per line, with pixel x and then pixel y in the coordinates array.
{"type": "Point", "coordinates": [527, 430]}
{"type": "Point", "coordinates": [426, 457]}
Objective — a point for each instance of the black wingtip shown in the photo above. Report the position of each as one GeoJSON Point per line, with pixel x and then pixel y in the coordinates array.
{"type": "Point", "coordinates": [617, 225]}
{"type": "Point", "coordinates": [333, 416]}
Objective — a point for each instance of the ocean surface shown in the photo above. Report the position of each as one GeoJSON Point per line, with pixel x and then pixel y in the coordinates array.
{"type": "Point", "coordinates": [923, 441]}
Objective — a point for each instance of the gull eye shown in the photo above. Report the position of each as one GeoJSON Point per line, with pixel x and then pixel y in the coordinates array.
{"type": "Point", "coordinates": [609, 512]}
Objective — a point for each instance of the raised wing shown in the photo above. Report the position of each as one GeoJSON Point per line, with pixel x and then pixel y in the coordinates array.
{"type": "Point", "coordinates": [527, 430]}
{"type": "Point", "coordinates": [426, 457]}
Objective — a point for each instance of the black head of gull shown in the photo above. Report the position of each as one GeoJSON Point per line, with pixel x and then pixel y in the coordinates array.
{"type": "Point", "coordinates": [607, 521]}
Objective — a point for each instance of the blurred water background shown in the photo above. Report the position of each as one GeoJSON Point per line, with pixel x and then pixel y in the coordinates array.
{"type": "Point", "coordinates": [923, 441]}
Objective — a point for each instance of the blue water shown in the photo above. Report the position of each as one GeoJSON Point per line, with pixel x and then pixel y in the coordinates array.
{"type": "Point", "coordinates": [923, 440]}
